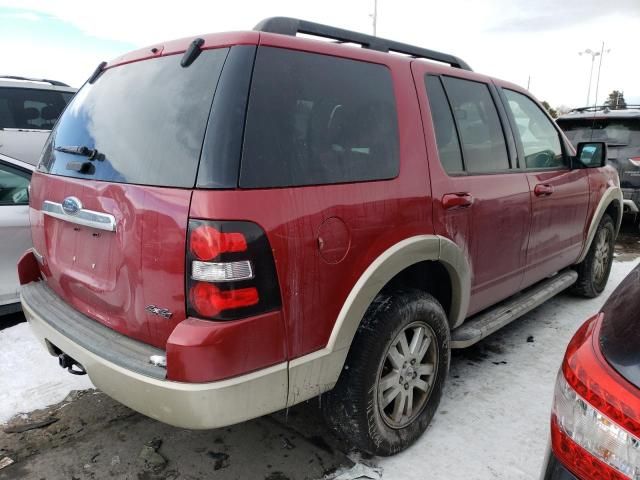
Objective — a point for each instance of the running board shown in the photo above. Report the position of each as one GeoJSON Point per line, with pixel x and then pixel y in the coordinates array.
{"type": "Point", "coordinates": [484, 324]}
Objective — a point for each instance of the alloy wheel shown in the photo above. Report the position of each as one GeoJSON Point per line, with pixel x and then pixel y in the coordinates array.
{"type": "Point", "coordinates": [407, 375]}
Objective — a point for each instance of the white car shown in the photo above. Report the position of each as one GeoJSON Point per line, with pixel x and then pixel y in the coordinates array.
{"type": "Point", "coordinates": [29, 108]}
{"type": "Point", "coordinates": [15, 233]}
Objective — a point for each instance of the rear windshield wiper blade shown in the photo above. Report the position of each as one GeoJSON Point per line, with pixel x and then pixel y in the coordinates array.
{"type": "Point", "coordinates": [91, 153]}
{"type": "Point", "coordinates": [617, 144]}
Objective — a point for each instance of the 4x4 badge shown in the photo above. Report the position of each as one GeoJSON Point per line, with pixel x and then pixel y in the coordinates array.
{"type": "Point", "coordinates": [161, 312]}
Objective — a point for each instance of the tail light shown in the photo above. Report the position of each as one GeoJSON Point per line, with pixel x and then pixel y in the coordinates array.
{"type": "Point", "coordinates": [635, 161]}
{"type": "Point", "coordinates": [230, 271]}
{"type": "Point", "coordinates": [595, 424]}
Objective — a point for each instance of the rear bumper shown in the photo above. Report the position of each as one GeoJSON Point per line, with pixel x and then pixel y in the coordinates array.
{"type": "Point", "coordinates": [553, 469]}
{"type": "Point", "coordinates": [123, 376]}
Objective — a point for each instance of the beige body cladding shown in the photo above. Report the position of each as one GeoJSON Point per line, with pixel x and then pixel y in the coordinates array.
{"type": "Point", "coordinates": [221, 403]}
{"type": "Point", "coordinates": [217, 404]}
{"type": "Point", "coordinates": [611, 195]}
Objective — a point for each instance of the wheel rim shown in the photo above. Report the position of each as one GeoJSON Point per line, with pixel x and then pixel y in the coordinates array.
{"type": "Point", "coordinates": [602, 253]}
{"type": "Point", "coordinates": [407, 375]}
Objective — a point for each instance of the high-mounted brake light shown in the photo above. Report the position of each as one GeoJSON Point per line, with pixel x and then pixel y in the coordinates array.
{"type": "Point", "coordinates": [595, 423]}
{"type": "Point", "coordinates": [230, 271]}
{"type": "Point", "coordinates": [635, 161]}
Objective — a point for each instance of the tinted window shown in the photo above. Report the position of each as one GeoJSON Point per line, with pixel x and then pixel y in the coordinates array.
{"type": "Point", "coordinates": [146, 119]}
{"type": "Point", "coordinates": [616, 132]}
{"type": "Point", "coordinates": [480, 130]}
{"type": "Point", "coordinates": [31, 109]}
{"type": "Point", "coordinates": [14, 184]}
{"type": "Point", "coordinates": [316, 119]}
{"type": "Point", "coordinates": [445, 129]}
{"type": "Point", "coordinates": [540, 140]}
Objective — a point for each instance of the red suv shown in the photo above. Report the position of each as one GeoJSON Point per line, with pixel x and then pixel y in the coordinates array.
{"type": "Point", "coordinates": [228, 226]}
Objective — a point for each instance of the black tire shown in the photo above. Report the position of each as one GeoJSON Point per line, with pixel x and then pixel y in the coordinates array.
{"type": "Point", "coordinates": [353, 408]}
{"type": "Point", "coordinates": [592, 274]}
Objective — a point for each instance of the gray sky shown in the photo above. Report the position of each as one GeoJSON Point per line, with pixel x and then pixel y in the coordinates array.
{"type": "Point", "coordinates": [509, 39]}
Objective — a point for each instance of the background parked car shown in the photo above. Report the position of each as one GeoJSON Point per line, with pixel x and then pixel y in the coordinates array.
{"type": "Point", "coordinates": [29, 109]}
{"type": "Point", "coordinates": [595, 423]}
{"type": "Point", "coordinates": [15, 234]}
{"type": "Point", "coordinates": [620, 129]}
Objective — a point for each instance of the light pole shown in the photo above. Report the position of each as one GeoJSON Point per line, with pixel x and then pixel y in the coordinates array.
{"type": "Point", "coordinates": [593, 54]}
{"type": "Point", "coordinates": [602, 52]}
{"type": "Point", "coordinates": [374, 17]}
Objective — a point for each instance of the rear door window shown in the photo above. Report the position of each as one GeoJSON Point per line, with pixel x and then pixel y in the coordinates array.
{"type": "Point", "coordinates": [315, 119]}
{"type": "Point", "coordinates": [145, 120]}
{"type": "Point", "coordinates": [30, 108]}
{"type": "Point", "coordinates": [444, 126]}
{"type": "Point", "coordinates": [540, 139]}
{"type": "Point", "coordinates": [483, 142]}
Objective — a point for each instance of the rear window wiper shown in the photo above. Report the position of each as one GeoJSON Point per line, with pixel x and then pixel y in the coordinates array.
{"type": "Point", "coordinates": [91, 153]}
{"type": "Point", "coordinates": [617, 144]}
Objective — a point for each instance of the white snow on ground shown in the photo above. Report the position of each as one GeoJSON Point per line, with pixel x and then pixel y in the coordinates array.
{"type": "Point", "coordinates": [30, 378]}
{"type": "Point", "coordinates": [493, 421]}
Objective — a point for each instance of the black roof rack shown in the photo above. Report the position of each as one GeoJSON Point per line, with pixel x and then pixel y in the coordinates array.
{"type": "Point", "coordinates": [293, 26]}
{"type": "Point", "coordinates": [597, 108]}
{"type": "Point", "coordinates": [55, 83]}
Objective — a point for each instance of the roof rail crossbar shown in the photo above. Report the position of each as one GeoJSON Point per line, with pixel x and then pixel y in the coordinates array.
{"type": "Point", "coordinates": [596, 108]}
{"type": "Point", "coordinates": [293, 26]}
{"type": "Point", "coordinates": [55, 83]}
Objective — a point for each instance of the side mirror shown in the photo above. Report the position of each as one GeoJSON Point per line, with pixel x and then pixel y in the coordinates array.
{"type": "Point", "coordinates": [592, 154]}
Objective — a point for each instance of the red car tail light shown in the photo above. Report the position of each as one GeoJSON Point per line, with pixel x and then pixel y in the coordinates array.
{"type": "Point", "coordinates": [635, 161]}
{"type": "Point", "coordinates": [209, 300]}
{"type": "Point", "coordinates": [595, 424]}
{"type": "Point", "coordinates": [230, 271]}
{"type": "Point", "coordinates": [207, 242]}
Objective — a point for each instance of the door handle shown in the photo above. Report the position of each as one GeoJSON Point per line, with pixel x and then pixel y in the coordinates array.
{"type": "Point", "coordinates": [543, 190]}
{"type": "Point", "coordinates": [456, 200]}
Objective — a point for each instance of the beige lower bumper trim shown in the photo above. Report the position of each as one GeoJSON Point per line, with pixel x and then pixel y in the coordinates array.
{"type": "Point", "coordinates": [185, 405]}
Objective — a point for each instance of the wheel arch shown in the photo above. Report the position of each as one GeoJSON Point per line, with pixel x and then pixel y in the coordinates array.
{"type": "Point", "coordinates": [318, 371]}
{"type": "Point", "coordinates": [393, 262]}
{"type": "Point", "coordinates": [611, 203]}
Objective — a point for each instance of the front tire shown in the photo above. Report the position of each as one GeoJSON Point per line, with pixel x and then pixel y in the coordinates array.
{"type": "Point", "coordinates": [594, 270]}
{"type": "Point", "coordinates": [392, 381]}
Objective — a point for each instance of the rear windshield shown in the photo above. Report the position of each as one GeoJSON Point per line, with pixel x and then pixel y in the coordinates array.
{"type": "Point", "coordinates": [144, 123]}
{"type": "Point", "coordinates": [30, 108]}
{"type": "Point", "coordinates": [616, 132]}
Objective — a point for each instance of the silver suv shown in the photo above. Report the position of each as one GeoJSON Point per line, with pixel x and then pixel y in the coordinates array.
{"type": "Point", "coordinates": [29, 108]}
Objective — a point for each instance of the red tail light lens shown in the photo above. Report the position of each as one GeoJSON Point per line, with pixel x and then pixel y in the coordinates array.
{"type": "Point", "coordinates": [635, 161]}
{"type": "Point", "coordinates": [206, 242]}
{"type": "Point", "coordinates": [595, 424]}
{"type": "Point", "coordinates": [230, 271]}
{"type": "Point", "coordinates": [209, 300]}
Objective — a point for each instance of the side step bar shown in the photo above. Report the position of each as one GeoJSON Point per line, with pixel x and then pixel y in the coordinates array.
{"type": "Point", "coordinates": [483, 324]}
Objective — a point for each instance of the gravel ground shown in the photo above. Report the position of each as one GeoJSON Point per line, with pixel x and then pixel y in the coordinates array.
{"type": "Point", "coordinates": [492, 423]}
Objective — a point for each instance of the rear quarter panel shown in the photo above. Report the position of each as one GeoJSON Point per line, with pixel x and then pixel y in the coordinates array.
{"type": "Point", "coordinates": [376, 214]}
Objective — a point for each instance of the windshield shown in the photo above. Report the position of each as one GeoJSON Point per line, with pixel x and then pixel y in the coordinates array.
{"type": "Point", "coordinates": [616, 132]}
{"type": "Point", "coordinates": [145, 121]}
{"type": "Point", "coordinates": [30, 108]}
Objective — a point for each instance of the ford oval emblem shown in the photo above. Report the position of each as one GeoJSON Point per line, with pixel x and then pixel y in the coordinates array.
{"type": "Point", "coordinates": [71, 205]}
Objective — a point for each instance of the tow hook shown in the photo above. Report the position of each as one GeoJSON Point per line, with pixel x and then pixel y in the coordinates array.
{"type": "Point", "coordinates": [71, 365]}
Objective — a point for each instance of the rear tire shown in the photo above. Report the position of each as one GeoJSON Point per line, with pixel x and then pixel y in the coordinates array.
{"type": "Point", "coordinates": [594, 270]}
{"type": "Point", "coordinates": [394, 374]}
